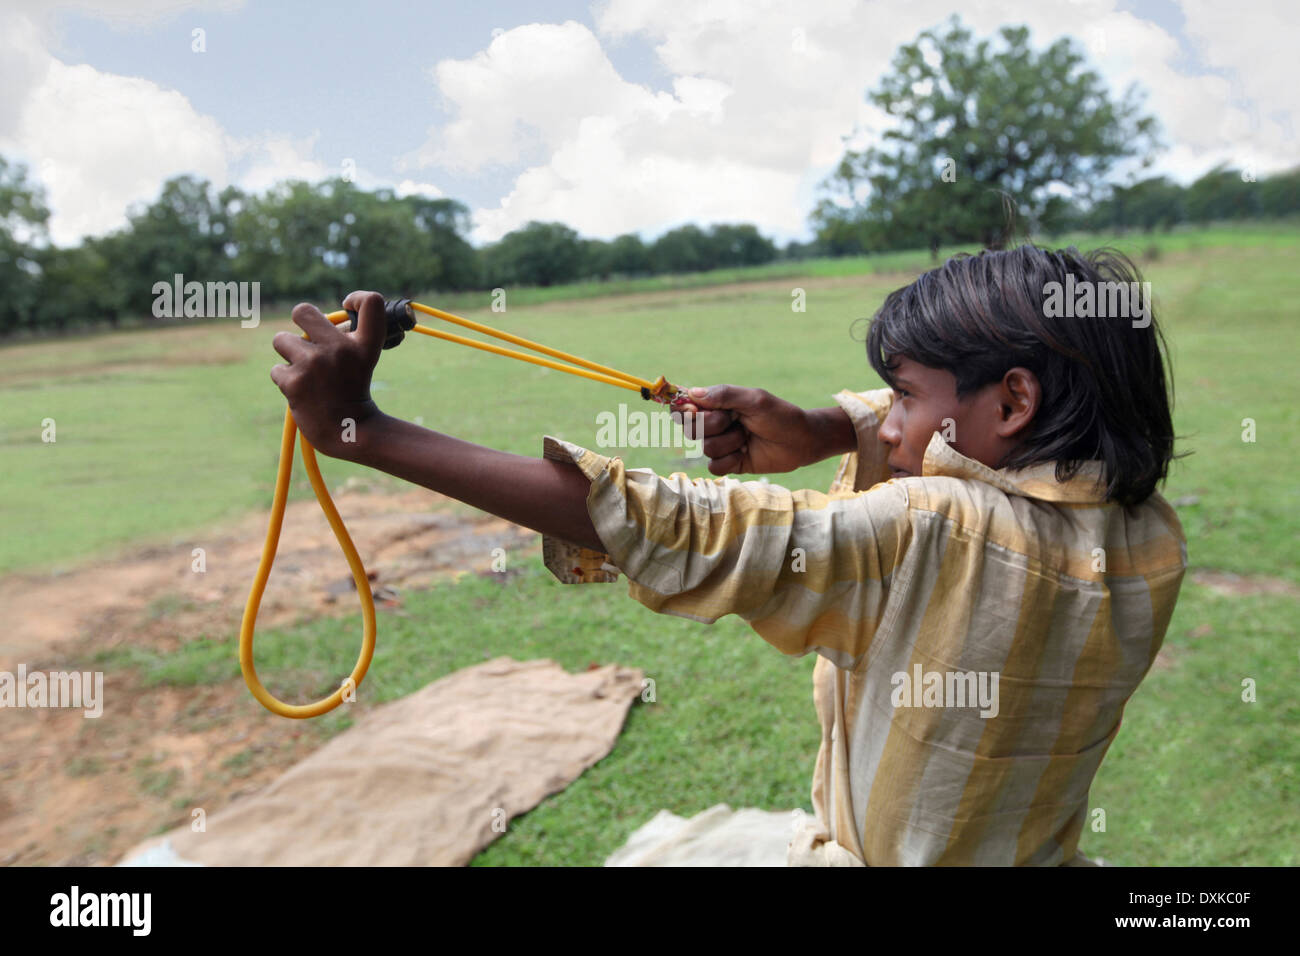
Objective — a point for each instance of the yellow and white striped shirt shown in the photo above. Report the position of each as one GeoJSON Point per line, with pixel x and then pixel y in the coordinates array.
{"type": "Point", "coordinates": [960, 578]}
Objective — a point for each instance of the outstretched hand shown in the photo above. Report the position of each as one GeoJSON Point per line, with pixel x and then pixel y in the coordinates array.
{"type": "Point", "coordinates": [327, 380]}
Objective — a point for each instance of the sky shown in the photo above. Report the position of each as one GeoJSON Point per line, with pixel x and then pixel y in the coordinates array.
{"type": "Point", "coordinates": [612, 117]}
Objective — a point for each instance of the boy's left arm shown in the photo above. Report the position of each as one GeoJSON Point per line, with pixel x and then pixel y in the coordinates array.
{"type": "Point", "coordinates": [806, 570]}
{"type": "Point", "coordinates": [547, 496]}
{"type": "Point", "coordinates": [327, 384]}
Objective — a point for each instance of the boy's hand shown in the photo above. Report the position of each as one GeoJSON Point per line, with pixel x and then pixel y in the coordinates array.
{"type": "Point", "coordinates": [749, 431]}
{"type": "Point", "coordinates": [327, 380]}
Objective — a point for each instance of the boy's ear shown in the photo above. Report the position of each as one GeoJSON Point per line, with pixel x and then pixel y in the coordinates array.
{"type": "Point", "coordinates": [1019, 397]}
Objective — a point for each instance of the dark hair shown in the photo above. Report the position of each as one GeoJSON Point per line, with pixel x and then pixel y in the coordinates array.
{"type": "Point", "coordinates": [1106, 392]}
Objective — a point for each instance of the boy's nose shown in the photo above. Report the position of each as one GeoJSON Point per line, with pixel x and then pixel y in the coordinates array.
{"type": "Point", "coordinates": [891, 432]}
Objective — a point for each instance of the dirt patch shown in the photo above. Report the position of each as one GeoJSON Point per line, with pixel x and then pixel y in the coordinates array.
{"type": "Point", "coordinates": [78, 790]}
{"type": "Point", "coordinates": [1224, 584]}
{"type": "Point", "coordinates": [100, 370]}
{"type": "Point", "coordinates": [406, 539]}
{"type": "Point", "coordinates": [1244, 585]}
{"type": "Point", "coordinates": [1165, 658]}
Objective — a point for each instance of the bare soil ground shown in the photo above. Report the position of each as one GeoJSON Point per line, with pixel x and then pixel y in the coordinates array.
{"type": "Point", "coordinates": [81, 791]}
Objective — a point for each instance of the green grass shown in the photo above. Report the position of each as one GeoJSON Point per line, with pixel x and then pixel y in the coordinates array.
{"type": "Point", "coordinates": [204, 661]}
{"type": "Point", "coordinates": [165, 435]}
{"type": "Point", "coordinates": [1197, 776]}
{"type": "Point", "coordinates": [1277, 234]}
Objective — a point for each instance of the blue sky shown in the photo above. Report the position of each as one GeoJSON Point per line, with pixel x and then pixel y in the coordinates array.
{"type": "Point", "coordinates": [616, 116]}
{"type": "Point", "coordinates": [300, 67]}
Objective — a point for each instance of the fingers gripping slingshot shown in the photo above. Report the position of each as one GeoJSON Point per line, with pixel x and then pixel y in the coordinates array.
{"type": "Point", "coordinates": [400, 314]}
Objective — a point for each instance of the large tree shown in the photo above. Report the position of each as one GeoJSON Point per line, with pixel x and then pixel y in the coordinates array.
{"type": "Point", "coordinates": [982, 128]}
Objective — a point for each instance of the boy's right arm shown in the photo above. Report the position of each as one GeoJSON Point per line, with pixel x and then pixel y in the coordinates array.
{"type": "Point", "coordinates": [749, 431]}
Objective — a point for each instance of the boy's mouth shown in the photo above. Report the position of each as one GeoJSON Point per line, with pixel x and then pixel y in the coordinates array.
{"type": "Point", "coordinates": [899, 473]}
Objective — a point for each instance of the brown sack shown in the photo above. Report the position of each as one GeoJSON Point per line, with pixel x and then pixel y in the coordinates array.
{"type": "Point", "coordinates": [430, 779]}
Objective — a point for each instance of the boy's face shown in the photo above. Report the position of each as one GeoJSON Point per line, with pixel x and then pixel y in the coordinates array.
{"type": "Point", "coordinates": [982, 426]}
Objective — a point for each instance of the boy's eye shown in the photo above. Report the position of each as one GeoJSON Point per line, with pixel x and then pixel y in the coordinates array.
{"type": "Point", "coordinates": [902, 392]}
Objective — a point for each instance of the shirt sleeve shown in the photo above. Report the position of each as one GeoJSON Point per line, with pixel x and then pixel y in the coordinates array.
{"type": "Point", "coordinates": [808, 571]}
{"type": "Point", "coordinates": [867, 466]}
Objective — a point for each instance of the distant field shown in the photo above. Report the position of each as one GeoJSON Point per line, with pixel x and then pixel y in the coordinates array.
{"type": "Point", "coordinates": [1191, 239]}
{"type": "Point", "coordinates": [164, 435]}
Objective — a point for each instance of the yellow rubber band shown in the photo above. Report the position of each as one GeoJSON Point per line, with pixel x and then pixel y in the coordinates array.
{"type": "Point", "coordinates": [635, 382]}
{"type": "Point", "coordinates": [590, 370]}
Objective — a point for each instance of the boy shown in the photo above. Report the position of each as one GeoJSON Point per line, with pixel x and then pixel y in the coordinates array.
{"type": "Point", "coordinates": [986, 584]}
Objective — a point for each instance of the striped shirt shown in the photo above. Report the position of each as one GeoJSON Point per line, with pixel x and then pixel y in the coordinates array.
{"type": "Point", "coordinates": [979, 631]}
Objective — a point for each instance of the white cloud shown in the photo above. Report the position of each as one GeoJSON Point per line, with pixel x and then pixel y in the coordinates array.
{"type": "Point", "coordinates": [100, 142]}
{"type": "Point", "coordinates": [1263, 100]}
{"type": "Point", "coordinates": [1206, 118]}
{"type": "Point", "coordinates": [409, 187]}
{"type": "Point", "coordinates": [526, 94]}
{"type": "Point", "coordinates": [576, 188]}
{"type": "Point", "coordinates": [1251, 42]}
{"type": "Point", "coordinates": [23, 64]}
{"type": "Point", "coordinates": [730, 142]}
{"type": "Point", "coordinates": [272, 158]}
{"type": "Point", "coordinates": [764, 96]}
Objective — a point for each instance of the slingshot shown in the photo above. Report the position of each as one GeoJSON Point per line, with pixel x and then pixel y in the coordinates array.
{"type": "Point", "coordinates": [401, 319]}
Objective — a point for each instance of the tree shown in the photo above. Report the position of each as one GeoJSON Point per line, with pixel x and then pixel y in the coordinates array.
{"type": "Point", "coordinates": [739, 245]}
{"type": "Point", "coordinates": [1222, 194]}
{"type": "Point", "coordinates": [182, 231]}
{"type": "Point", "coordinates": [981, 132]}
{"type": "Point", "coordinates": [1279, 195]}
{"type": "Point", "coordinates": [443, 224]}
{"type": "Point", "coordinates": [597, 259]}
{"type": "Point", "coordinates": [541, 253]}
{"type": "Point", "coordinates": [802, 250]}
{"type": "Point", "coordinates": [1152, 203]}
{"type": "Point", "coordinates": [85, 284]}
{"type": "Point", "coordinates": [23, 218]}
{"type": "Point", "coordinates": [628, 256]}
{"type": "Point", "coordinates": [322, 240]}
{"type": "Point", "coordinates": [373, 242]}
{"type": "Point", "coordinates": [284, 242]}
{"type": "Point", "coordinates": [684, 249]}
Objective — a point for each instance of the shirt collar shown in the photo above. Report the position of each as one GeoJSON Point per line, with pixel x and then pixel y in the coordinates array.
{"type": "Point", "coordinates": [1036, 481]}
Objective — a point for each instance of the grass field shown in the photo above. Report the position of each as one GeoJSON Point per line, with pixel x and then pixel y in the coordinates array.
{"type": "Point", "coordinates": [163, 435]}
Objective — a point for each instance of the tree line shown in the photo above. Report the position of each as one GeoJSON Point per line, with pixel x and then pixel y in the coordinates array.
{"type": "Point", "coordinates": [1155, 203]}
{"type": "Point", "coordinates": [309, 241]}
{"type": "Point", "coordinates": [992, 138]}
